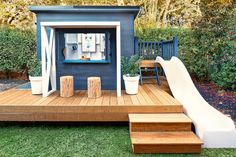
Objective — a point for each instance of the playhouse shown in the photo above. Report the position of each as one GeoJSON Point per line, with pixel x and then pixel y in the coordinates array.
{"type": "Point", "coordinates": [84, 41]}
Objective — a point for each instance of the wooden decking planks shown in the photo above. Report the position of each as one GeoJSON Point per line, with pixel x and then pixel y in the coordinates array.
{"type": "Point", "coordinates": [165, 138]}
{"type": "Point", "coordinates": [161, 122]}
{"type": "Point", "coordinates": [148, 95]}
{"type": "Point", "coordinates": [165, 142]}
{"type": "Point", "coordinates": [159, 118]}
{"type": "Point", "coordinates": [46, 100]}
{"type": "Point", "coordinates": [148, 100]}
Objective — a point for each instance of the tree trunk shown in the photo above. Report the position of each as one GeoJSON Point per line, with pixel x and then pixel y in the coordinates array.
{"type": "Point", "coordinates": [164, 17]}
{"type": "Point", "coordinates": [94, 87]}
{"type": "Point", "coordinates": [66, 86]}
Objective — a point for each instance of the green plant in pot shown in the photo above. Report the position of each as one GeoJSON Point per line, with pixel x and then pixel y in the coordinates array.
{"type": "Point", "coordinates": [35, 77]}
{"type": "Point", "coordinates": [130, 66]}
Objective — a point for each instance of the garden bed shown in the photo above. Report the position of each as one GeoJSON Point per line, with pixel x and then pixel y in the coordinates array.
{"type": "Point", "coordinates": [224, 101]}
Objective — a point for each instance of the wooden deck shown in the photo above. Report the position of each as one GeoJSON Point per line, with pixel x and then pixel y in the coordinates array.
{"type": "Point", "coordinates": [21, 105]}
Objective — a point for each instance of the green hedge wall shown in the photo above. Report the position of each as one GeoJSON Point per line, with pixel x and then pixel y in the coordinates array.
{"type": "Point", "coordinates": [17, 50]}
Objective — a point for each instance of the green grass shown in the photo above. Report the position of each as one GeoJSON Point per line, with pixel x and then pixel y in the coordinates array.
{"type": "Point", "coordinates": [29, 140]}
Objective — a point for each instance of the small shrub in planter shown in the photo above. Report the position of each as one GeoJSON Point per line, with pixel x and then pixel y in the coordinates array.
{"type": "Point", "coordinates": [129, 66]}
{"type": "Point", "coordinates": [35, 76]}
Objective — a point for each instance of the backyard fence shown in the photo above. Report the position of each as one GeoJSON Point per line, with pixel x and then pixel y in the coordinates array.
{"type": "Point", "coordinates": [150, 50]}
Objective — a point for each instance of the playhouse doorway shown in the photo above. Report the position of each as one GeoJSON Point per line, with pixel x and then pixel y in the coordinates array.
{"type": "Point", "coordinates": [48, 48]}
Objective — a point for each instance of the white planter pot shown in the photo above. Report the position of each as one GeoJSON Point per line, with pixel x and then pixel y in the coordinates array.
{"type": "Point", "coordinates": [131, 84]}
{"type": "Point", "coordinates": [36, 84]}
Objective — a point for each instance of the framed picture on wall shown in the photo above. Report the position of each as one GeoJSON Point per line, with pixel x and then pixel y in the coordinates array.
{"type": "Point", "coordinates": [88, 42]}
{"type": "Point", "coordinates": [79, 36]}
{"type": "Point", "coordinates": [102, 42]}
{"type": "Point", "coordinates": [98, 38]}
{"type": "Point", "coordinates": [71, 38]}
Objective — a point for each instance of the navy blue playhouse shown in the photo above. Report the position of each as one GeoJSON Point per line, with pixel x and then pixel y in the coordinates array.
{"type": "Point", "coordinates": [85, 41]}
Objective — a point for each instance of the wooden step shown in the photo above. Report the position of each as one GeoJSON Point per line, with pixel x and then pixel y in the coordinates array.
{"type": "Point", "coordinates": [159, 122]}
{"type": "Point", "coordinates": [165, 142]}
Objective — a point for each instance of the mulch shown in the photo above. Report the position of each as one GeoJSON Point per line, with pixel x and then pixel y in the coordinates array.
{"type": "Point", "coordinates": [224, 101]}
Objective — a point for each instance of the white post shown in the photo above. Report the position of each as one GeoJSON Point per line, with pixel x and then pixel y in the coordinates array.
{"type": "Point", "coordinates": [43, 59]}
{"type": "Point", "coordinates": [118, 64]}
{"type": "Point", "coordinates": [48, 61]}
{"type": "Point", "coordinates": [53, 70]}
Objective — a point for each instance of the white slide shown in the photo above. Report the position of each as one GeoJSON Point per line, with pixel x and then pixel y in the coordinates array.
{"type": "Point", "coordinates": [214, 128]}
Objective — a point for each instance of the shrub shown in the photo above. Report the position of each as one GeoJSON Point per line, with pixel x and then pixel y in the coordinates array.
{"type": "Point", "coordinates": [130, 65]}
{"type": "Point", "coordinates": [215, 34]}
{"type": "Point", "coordinates": [224, 67]}
{"type": "Point", "coordinates": [17, 49]}
{"type": "Point", "coordinates": [35, 68]}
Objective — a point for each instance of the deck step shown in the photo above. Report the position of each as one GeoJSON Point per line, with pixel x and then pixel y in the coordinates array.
{"type": "Point", "coordinates": [165, 142]}
{"type": "Point", "coordinates": [159, 122]}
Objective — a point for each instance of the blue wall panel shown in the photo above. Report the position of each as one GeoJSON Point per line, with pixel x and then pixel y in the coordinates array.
{"type": "Point", "coordinates": [107, 72]}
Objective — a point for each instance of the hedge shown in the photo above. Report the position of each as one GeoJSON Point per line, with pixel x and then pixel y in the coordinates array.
{"type": "Point", "coordinates": [17, 50]}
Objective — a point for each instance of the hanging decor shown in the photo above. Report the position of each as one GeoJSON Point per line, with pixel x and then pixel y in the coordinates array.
{"type": "Point", "coordinates": [88, 42]}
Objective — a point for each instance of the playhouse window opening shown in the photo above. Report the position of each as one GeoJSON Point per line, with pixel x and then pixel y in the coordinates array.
{"type": "Point", "coordinates": [86, 48]}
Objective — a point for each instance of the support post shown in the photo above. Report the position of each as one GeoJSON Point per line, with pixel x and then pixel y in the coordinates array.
{"type": "Point", "coordinates": [118, 62]}
{"type": "Point", "coordinates": [48, 61]}
{"type": "Point", "coordinates": [175, 46]}
{"type": "Point", "coordinates": [43, 59]}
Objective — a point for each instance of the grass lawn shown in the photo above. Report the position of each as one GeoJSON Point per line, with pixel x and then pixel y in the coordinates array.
{"type": "Point", "coordinates": [57, 139]}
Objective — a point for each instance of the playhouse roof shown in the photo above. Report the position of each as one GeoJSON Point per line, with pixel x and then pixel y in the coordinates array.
{"type": "Point", "coordinates": [86, 9]}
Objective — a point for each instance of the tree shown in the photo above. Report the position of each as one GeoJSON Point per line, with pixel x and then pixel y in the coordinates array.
{"type": "Point", "coordinates": [167, 13]}
{"type": "Point", "coordinates": [155, 13]}
{"type": "Point", "coordinates": [15, 13]}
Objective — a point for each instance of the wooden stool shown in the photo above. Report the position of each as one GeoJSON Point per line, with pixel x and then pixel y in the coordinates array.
{"type": "Point", "coordinates": [94, 87]}
{"type": "Point", "coordinates": [66, 86]}
{"type": "Point", "coordinates": [149, 66]}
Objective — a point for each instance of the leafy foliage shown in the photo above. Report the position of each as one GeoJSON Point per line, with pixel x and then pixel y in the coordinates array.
{"type": "Point", "coordinates": [215, 34]}
{"type": "Point", "coordinates": [161, 13]}
{"type": "Point", "coordinates": [130, 65]}
{"type": "Point", "coordinates": [17, 49]}
{"type": "Point", "coordinates": [35, 68]}
{"type": "Point", "coordinates": [16, 15]}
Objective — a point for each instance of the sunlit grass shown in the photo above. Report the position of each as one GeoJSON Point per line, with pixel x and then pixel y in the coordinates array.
{"type": "Point", "coordinates": [56, 139]}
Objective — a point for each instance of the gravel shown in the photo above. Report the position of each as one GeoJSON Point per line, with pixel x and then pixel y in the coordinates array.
{"type": "Point", "coordinates": [7, 84]}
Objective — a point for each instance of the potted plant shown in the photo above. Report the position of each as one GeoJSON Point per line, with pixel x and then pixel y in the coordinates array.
{"type": "Point", "coordinates": [35, 77]}
{"type": "Point", "coordinates": [129, 66]}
